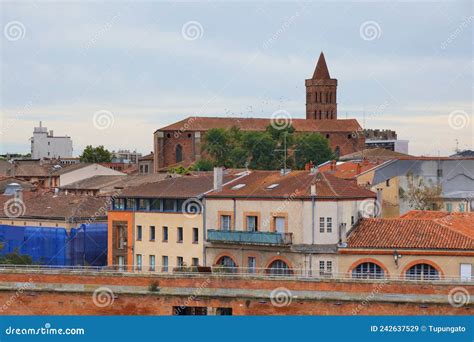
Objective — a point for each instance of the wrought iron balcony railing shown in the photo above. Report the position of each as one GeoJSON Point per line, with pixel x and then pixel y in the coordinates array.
{"type": "Point", "coordinates": [247, 237]}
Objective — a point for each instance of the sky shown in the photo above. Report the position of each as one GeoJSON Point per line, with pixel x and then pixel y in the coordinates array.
{"type": "Point", "coordinates": [111, 73]}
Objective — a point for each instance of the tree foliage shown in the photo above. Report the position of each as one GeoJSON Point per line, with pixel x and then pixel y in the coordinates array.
{"type": "Point", "coordinates": [15, 258]}
{"type": "Point", "coordinates": [265, 150]}
{"type": "Point", "coordinates": [95, 155]}
{"type": "Point", "coordinates": [420, 195]}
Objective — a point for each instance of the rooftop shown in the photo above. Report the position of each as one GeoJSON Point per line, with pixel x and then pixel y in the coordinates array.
{"type": "Point", "coordinates": [294, 184]}
{"type": "Point", "coordinates": [374, 154]}
{"type": "Point", "coordinates": [199, 123]}
{"type": "Point", "coordinates": [348, 169]}
{"type": "Point", "coordinates": [415, 230]}
{"type": "Point", "coordinates": [47, 205]}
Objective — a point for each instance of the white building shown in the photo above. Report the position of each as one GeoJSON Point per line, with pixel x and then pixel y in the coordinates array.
{"type": "Point", "coordinates": [45, 145]}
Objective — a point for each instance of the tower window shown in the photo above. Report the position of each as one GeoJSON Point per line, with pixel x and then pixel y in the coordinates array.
{"type": "Point", "coordinates": [179, 153]}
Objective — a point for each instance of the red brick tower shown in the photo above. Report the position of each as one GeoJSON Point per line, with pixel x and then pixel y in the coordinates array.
{"type": "Point", "coordinates": [321, 93]}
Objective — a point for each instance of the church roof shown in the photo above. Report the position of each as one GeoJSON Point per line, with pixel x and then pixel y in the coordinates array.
{"type": "Point", "coordinates": [200, 123]}
{"type": "Point", "coordinates": [321, 72]}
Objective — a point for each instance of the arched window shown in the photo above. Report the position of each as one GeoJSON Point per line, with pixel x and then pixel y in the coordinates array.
{"type": "Point", "coordinates": [279, 267]}
{"type": "Point", "coordinates": [227, 263]}
{"type": "Point", "coordinates": [179, 153]}
{"type": "Point", "coordinates": [337, 152]}
{"type": "Point", "coordinates": [368, 270]}
{"type": "Point", "coordinates": [422, 272]}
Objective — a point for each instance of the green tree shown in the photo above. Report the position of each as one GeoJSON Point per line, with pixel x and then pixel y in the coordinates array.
{"type": "Point", "coordinates": [217, 145]}
{"type": "Point", "coordinates": [261, 149]}
{"type": "Point", "coordinates": [15, 258]}
{"type": "Point", "coordinates": [312, 147]}
{"type": "Point", "coordinates": [203, 165]}
{"type": "Point", "coordinates": [420, 195]}
{"type": "Point", "coordinates": [95, 155]}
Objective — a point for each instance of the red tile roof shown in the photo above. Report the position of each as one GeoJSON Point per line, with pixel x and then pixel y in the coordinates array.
{"type": "Point", "coordinates": [321, 72]}
{"type": "Point", "coordinates": [447, 232]}
{"type": "Point", "coordinates": [374, 154]}
{"type": "Point", "coordinates": [349, 169]}
{"type": "Point", "coordinates": [46, 204]}
{"type": "Point", "coordinates": [295, 184]}
{"type": "Point", "coordinates": [199, 123]}
{"type": "Point", "coordinates": [178, 187]}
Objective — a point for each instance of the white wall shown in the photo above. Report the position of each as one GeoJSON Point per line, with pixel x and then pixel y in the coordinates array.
{"type": "Point", "coordinates": [87, 172]}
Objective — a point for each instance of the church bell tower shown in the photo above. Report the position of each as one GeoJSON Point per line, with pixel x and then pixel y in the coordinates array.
{"type": "Point", "coordinates": [321, 90]}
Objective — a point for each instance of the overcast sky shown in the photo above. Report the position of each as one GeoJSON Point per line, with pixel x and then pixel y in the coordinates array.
{"type": "Point", "coordinates": [408, 66]}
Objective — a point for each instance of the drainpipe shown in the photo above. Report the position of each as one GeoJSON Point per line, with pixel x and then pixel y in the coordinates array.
{"type": "Point", "coordinates": [204, 232]}
{"type": "Point", "coordinates": [235, 213]}
{"type": "Point", "coordinates": [313, 210]}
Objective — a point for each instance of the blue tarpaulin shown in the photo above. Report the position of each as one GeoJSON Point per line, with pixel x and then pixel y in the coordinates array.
{"type": "Point", "coordinates": [85, 245]}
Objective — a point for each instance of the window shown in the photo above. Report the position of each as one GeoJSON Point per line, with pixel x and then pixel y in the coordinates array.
{"type": "Point", "coordinates": [165, 234]}
{"type": "Point", "coordinates": [225, 222]}
{"type": "Point", "coordinates": [169, 205]}
{"type": "Point", "coordinates": [139, 233]}
{"type": "Point", "coordinates": [180, 234]}
{"type": "Point", "coordinates": [139, 262]}
{"type": "Point", "coordinates": [121, 237]}
{"type": "Point", "coordinates": [195, 262]}
{"type": "Point", "coordinates": [131, 204]}
{"type": "Point", "coordinates": [279, 267]}
{"type": "Point", "coordinates": [325, 268]}
{"type": "Point", "coordinates": [279, 224]}
{"type": "Point", "coordinates": [179, 153]}
{"type": "Point", "coordinates": [337, 152]}
{"type": "Point", "coordinates": [164, 263]}
{"type": "Point", "coordinates": [155, 204]}
{"type": "Point", "coordinates": [146, 168]}
{"type": "Point", "coordinates": [387, 182]}
{"type": "Point", "coordinates": [449, 207]}
{"type": "Point", "coordinates": [368, 270]}
{"type": "Point", "coordinates": [152, 233]}
{"type": "Point", "coordinates": [195, 235]}
{"type": "Point", "coordinates": [252, 264]}
{"type": "Point", "coordinates": [152, 262]}
{"type": "Point", "coordinates": [121, 263]}
{"type": "Point", "coordinates": [422, 272]}
{"type": "Point", "coordinates": [329, 224]}
{"type": "Point", "coordinates": [439, 172]}
{"type": "Point", "coordinates": [142, 205]}
{"type": "Point", "coordinates": [252, 223]}
{"type": "Point", "coordinates": [352, 220]}
{"type": "Point", "coordinates": [119, 204]}
{"type": "Point", "coordinates": [179, 261]}
{"type": "Point", "coordinates": [321, 224]}
{"type": "Point", "coordinates": [141, 168]}
{"type": "Point", "coordinates": [461, 207]}
{"type": "Point", "coordinates": [227, 264]}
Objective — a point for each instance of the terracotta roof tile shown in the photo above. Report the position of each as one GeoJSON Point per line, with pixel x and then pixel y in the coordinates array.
{"type": "Point", "coordinates": [295, 184]}
{"type": "Point", "coordinates": [200, 123]}
{"type": "Point", "coordinates": [457, 233]}
{"type": "Point", "coordinates": [347, 170]}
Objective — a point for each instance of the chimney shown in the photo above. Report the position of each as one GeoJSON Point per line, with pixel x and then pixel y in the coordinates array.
{"type": "Point", "coordinates": [51, 133]}
{"type": "Point", "coordinates": [342, 235]}
{"type": "Point", "coordinates": [359, 168]}
{"type": "Point", "coordinates": [378, 204]}
{"type": "Point", "coordinates": [313, 190]}
{"type": "Point", "coordinates": [333, 165]}
{"type": "Point", "coordinates": [218, 176]}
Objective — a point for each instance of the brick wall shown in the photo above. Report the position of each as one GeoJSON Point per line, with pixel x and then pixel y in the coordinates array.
{"type": "Point", "coordinates": [64, 302]}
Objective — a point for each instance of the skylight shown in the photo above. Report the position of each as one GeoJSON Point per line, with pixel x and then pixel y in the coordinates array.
{"type": "Point", "coordinates": [272, 186]}
{"type": "Point", "coordinates": [238, 186]}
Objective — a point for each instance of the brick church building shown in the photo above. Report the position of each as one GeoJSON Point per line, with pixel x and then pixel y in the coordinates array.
{"type": "Point", "coordinates": [180, 143]}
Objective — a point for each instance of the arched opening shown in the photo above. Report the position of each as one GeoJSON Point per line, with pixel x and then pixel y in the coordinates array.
{"type": "Point", "coordinates": [227, 264]}
{"type": "Point", "coordinates": [279, 268]}
{"type": "Point", "coordinates": [368, 270]}
{"type": "Point", "coordinates": [179, 153]}
{"type": "Point", "coordinates": [422, 272]}
{"type": "Point", "coordinates": [337, 152]}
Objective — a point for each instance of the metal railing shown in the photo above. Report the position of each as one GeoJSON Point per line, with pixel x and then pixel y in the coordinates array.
{"type": "Point", "coordinates": [248, 237]}
{"type": "Point", "coordinates": [234, 272]}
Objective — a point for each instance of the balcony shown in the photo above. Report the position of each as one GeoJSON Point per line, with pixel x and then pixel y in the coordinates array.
{"type": "Point", "coordinates": [249, 238]}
